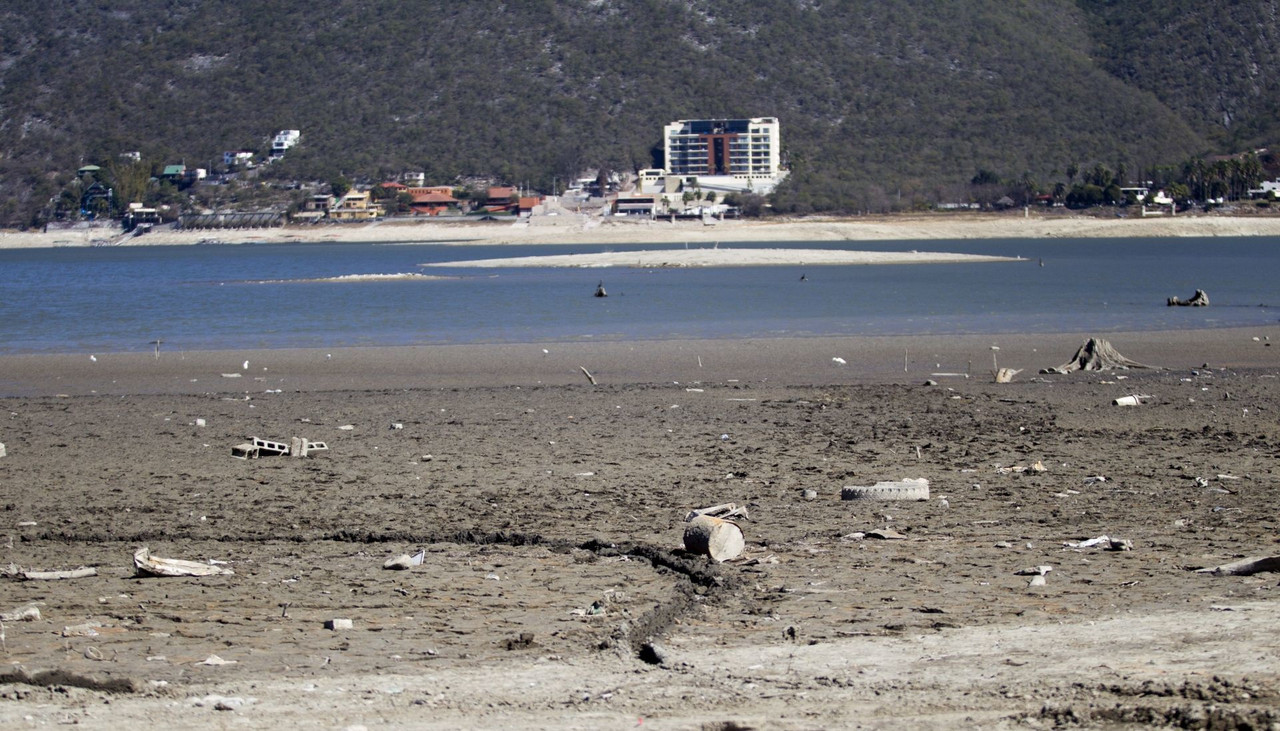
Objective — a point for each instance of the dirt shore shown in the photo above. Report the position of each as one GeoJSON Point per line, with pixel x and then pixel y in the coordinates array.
{"type": "Point", "coordinates": [554, 590]}
{"type": "Point", "coordinates": [571, 228]}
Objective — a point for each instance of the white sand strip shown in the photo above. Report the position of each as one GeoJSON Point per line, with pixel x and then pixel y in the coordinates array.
{"type": "Point", "coordinates": [717, 257]}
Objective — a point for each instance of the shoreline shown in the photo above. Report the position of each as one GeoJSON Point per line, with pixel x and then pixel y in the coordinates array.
{"type": "Point", "coordinates": [793, 361]}
{"type": "Point", "coordinates": [571, 228]}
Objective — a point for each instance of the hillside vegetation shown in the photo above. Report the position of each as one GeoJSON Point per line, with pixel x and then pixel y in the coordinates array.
{"type": "Point", "coordinates": [880, 101]}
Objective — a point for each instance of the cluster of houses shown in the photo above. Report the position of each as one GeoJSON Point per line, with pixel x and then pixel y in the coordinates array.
{"type": "Point", "coordinates": [706, 159]}
{"type": "Point", "coordinates": [420, 200]}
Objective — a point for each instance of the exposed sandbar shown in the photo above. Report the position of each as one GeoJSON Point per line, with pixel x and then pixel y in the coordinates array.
{"type": "Point", "coordinates": [718, 257]}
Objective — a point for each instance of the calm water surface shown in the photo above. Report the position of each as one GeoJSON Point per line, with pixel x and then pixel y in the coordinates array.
{"type": "Point", "coordinates": [258, 296]}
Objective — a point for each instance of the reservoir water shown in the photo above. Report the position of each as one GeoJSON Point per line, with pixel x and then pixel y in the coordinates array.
{"type": "Point", "coordinates": [85, 300]}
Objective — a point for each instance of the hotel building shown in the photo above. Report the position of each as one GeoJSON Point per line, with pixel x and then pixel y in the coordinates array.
{"type": "Point", "coordinates": [742, 148]}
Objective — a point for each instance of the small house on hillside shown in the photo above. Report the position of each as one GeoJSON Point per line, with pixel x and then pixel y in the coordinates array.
{"type": "Point", "coordinates": [356, 205]}
{"type": "Point", "coordinates": [283, 140]}
{"type": "Point", "coordinates": [428, 202]}
{"type": "Point", "coordinates": [501, 199]}
{"type": "Point", "coordinates": [528, 204]}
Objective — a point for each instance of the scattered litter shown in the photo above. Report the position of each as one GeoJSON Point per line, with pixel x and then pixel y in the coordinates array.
{"type": "Point", "coordinates": [1036, 581]}
{"type": "Point", "coordinates": [346, 427]}
{"type": "Point", "coordinates": [1035, 571]}
{"type": "Point", "coordinates": [911, 488]}
{"type": "Point", "coordinates": [1136, 399]}
{"type": "Point", "coordinates": [404, 561]}
{"type": "Point", "coordinates": [395, 426]}
{"type": "Point", "coordinates": [230, 375]}
{"type": "Point", "coordinates": [338, 624]}
{"type": "Point", "coordinates": [88, 629]}
{"type": "Point", "coordinates": [886, 534]}
{"type": "Point", "coordinates": [838, 360]}
{"type": "Point", "coordinates": [724, 510]}
{"type": "Point", "coordinates": [1093, 479]}
{"type": "Point", "coordinates": [1108, 543]}
{"type": "Point", "coordinates": [214, 661]}
{"type": "Point", "coordinates": [758, 561]}
{"type": "Point", "coordinates": [200, 422]}
{"type": "Point", "coordinates": [27, 613]}
{"type": "Point", "coordinates": [1245, 567]}
{"type": "Point", "coordinates": [714, 537]}
{"type": "Point", "coordinates": [148, 565]}
{"type": "Point", "coordinates": [257, 447]}
{"type": "Point", "coordinates": [221, 703]}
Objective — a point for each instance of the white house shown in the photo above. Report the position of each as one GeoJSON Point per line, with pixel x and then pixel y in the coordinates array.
{"type": "Point", "coordinates": [283, 140]}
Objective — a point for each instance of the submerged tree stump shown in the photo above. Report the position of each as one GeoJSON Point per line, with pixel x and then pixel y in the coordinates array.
{"type": "Point", "coordinates": [1199, 299]}
{"type": "Point", "coordinates": [1096, 355]}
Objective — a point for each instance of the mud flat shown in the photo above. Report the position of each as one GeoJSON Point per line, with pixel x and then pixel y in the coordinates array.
{"type": "Point", "coordinates": [553, 590]}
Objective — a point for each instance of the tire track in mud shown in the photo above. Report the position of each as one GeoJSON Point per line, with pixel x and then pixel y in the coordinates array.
{"type": "Point", "coordinates": [711, 582]}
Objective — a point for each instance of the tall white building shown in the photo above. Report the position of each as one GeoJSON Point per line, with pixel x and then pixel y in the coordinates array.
{"type": "Point", "coordinates": [725, 154]}
{"type": "Point", "coordinates": [741, 148]}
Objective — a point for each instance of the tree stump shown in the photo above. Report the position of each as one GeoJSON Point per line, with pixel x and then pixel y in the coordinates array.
{"type": "Point", "coordinates": [1199, 299]}
{"type": "Point", "coordinates": [719, 539]}
{"type": "Point", "coordinates": [1096, 355]}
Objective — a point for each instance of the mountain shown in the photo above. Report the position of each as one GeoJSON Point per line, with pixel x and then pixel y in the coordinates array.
{"type": "Point", "coordinates": [879, 101]}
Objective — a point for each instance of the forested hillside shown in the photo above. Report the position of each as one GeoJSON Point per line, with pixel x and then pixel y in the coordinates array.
{"type": "Point", "coordinates": [879, 100]}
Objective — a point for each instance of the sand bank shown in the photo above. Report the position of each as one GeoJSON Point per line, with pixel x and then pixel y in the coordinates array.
{"type": "Point", "coordinates": [571, 228]}
{"type": "Point", "coordinates": [725, 257]}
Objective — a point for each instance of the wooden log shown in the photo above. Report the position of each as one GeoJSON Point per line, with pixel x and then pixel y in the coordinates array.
{"type": "Point", "coordinates": [1245, 567]}
{"type": "Point", "coordinates": [79, 573]}
{"type": "Point", "coordinates": [720, 539]}
{"type": "Point", "coordinates": [1005, 375]}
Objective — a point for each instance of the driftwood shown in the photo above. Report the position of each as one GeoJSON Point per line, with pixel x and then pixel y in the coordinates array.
{"type": "Point", "coordinates": [1245, 567]}
{"type": "Point", "coordinates": [1199, 299]}
{"type": "Point", "coordinates": [720, 539]}
{"type": "Point", "coordinates": [79, 573]}
{"type": "Point", "coordinates": [1096, 355]}
{"type": "Point", "coordinates": [148, 565]}
{"type": "Point", "coordinates": [1005, 375]}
